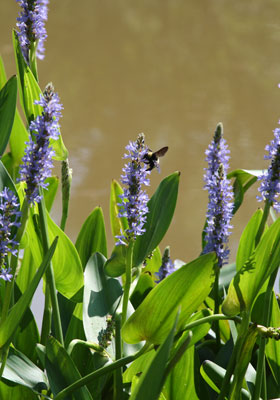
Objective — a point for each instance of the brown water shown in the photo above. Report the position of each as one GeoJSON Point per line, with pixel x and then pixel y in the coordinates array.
{"type": "Point", "coordinates": [171, 69]}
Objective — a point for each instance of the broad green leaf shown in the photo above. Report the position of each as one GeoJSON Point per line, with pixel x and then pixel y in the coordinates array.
{"type": "Point", "coordinates": [180, 384]}
{"type": "Point", "coordinates": [185, 288]}
{"type": "Point", "coordinates": [50, 192]}
{"type": "Point", "coordinates": [20, 370]}
{"type": "Point", "coordinates": [247, 240]}
{"type": "Point", "coordinates": [226, 274]}
{"type": "Point", "coordinates": [118, 225]}
{"type": "Point", "coordinates": [19, 134]}
{"type": "Point", "coordinates": [161, 209]}
{"type": "Point", "coordinates": [62, 371]}
{"type": "Point", "coordinates": [8, 100]}
{"type": "Point", "coordinates": [249, 280]}
{"type": "Point", "coordinates": [153, 264]}
{"type": "Point", "coordinates": [199, 331]}
{"type": "Point", "coordinates": [9, 326]}
{"type": "Point", "coordinates": [92, 236]}
{"type": "Point", "coordinates": [144, 285]}
{"type": "Point", "coordinates": [3, 77]}
{"type": "Point", "coordinates": [66, 263]}
{"type": "Point", "coordinates": [138, 366]}
{"type": "Point", "coordinates": [272, 349]}
{"type": "Point", "coordinates": [244, 179]}
{"type": "Point", "coordinates": [115, 265]}
{"type": "Point", "coordinates": [16, 392]}
{"type": "Point", "coordinates": [154, 374]}
{"type": "Point", "coordinates": [101, 298]}
{"type": "Point", "coordinates": [29, 92]}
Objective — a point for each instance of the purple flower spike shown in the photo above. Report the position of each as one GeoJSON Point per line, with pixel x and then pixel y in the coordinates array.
{"type": "Point", "coordinates": [37, 161]}
{"type": "Point", "coordinates": [9, 217]}
{"type": "Point", "coordinates": [220, 195]}
{"type": "Point", "coordinates": [134, 199]}
{"type": "Point", "coordinates": [270, 179]}
{"type": "Point", "coordinates": [31, 26]}
{"type": "Point", "coordinates": [167, 266]}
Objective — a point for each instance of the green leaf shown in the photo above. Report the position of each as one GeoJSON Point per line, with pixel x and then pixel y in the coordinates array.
{"type": "Point", "coordinates": [6, 180]}
{"type": "Point", "coordinates": [138, 366]}
{"type": "Point", "coordinates": [198, 332]}
{"type": "Point", "coordinates": [62, 371]}
{"type": "Point", "coordinates": [66, 263]}
{"type": "Point", "coordinates": [154, 375]}
{"type": "Point", "coordinates": [8, 100]}
{"type": "Point", "coordinates": [213, 374]}
{"type": "Point", "coordinates": [247, 283]}
{"type": "Point", "coordinates": [115, 265]}
{"type": "Point", "coordinates": [272, 349]}
{"type": "Point", "coordinates": [9, 326]}
{"type": "Point", "coordinates": [185, 288]}
{"type": "Point", "coordinates": [17, 392]}
{"type": "Point", "coordinates": [247, 240]}
{"type": "Point", "coordinates": [180, 384]}
{"type": "Point", "coordinates": [29, 92]}
{"type": "Point", "coordinates": [118, 225]}
{"type": "Point", "coordinates": [101, 298]}
{"type": "Point", "coordinates": [19, 134]}
{"type": "Point", "coordinates": [144, 285]}
{"type": "Point", "coordinates": [92, 236]}
{"type": "Point", "coordinates": [161, 209]}
{"type": "Point", "coordinates": [20, 370]}
{"type": "Point", "coordinates": [244, 179]}
{"type": "Point", "coordinates": [50, 192]}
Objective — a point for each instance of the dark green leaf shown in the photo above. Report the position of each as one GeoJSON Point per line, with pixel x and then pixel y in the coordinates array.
{"type": "Point", "coordinates": [118, 225]}
{"type": "Point", "coordinates": [8, 100]}
{"type": "Point", "coordinates": [92, 236]}
{"type": "Point", "coordinates": [62, 371]}
{"type": "Point", "coordinates": [272, 349]}
{"type": "Point", "coordinates": [161, 209]}
{"type": "Point", "coordinates": [247, 283]}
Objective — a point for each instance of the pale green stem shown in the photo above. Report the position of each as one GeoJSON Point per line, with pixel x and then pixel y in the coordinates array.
{"type": "Point", "coordinates": [49, 274]}
{"type": "Point", "coordinates": [127, 280]}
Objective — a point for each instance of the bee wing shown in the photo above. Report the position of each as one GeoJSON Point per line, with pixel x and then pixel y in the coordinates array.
{"type": "Point", "coordinates": [161, 152]}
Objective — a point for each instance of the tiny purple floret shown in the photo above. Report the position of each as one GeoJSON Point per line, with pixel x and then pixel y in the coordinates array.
{"type": "Point", "coordinates": [134, 200]}
{"type": "Point", "coordinates": [37, 160]}
{"type": "Point", "coordinates": [220, 206]}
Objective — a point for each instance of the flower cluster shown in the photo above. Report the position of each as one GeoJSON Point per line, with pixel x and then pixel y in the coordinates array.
{"type": "Point", "coordinates": [31, 26]}
{"type": "Point", "coordinates": [220, 207]}
{"type": "Point", "coordinates": [134, 199]}
{"type": "Point", "coordinates": [37, 161]}
{"type": "Point", "coordinates": [9, 217]}
{"type": "Point", "coordinates": [167, 266]}
{"type": "Point", "coordinates": [270, 184]}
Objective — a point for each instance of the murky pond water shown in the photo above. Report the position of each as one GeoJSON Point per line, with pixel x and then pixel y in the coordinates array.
{"type": "Point", "coordinates": [171, 69]}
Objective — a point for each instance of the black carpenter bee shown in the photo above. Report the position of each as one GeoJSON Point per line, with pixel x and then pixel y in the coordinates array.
{"type": "Point", "coordinates": [152, 158]}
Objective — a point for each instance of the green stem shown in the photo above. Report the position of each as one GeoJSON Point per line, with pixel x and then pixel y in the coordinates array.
{"type": "Point", "coordinates": [89, 345]}
{"type": "Point", "coordinates": [102, 371]}
{"type": "Point", "coordinates": [49, 274]}
{"type": "Point", "coordinates": [265, 321]}
{"type": "Point", "coordinates": [235, 355]}
{"type": "Point", "coordinates": [127, 280]}
{"type": "Point", "coordinates": [66, 174]}
{"type": "Point", "coordinates": [118, 383]}
{"type": "Point", "coordinates": [47, 317]}
{"type": "Point", "coordinates": [216, 326]}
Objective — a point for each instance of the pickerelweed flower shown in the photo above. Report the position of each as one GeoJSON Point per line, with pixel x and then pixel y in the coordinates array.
{"type": "Point", "coordinates": [134, 199]}
{"type": "Point", "coordinates": [37, 161]}
{"type": "Point", "coordinates": [9, 217]}
{"type": "Point", "coordinates": [167, 266]}
{"type": "Point", "coordinates": [31, 26]}
{"type": "Point", "coordinates": [270, 179]}
{"type": "Point", "coordinates": [220, 195]}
